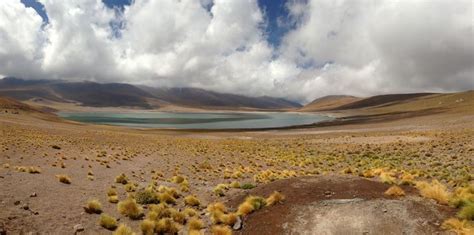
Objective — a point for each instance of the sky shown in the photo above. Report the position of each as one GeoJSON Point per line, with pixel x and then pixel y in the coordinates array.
{"type": "Point", "coordinates": [295, 49]}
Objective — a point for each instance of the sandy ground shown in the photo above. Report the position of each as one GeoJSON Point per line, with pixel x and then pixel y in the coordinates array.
{"type": "Point", "coordinates": [437, 146]}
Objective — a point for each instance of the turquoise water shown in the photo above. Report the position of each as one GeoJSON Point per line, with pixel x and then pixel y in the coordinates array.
{"type": "Point", "coordinates": [235, 120]}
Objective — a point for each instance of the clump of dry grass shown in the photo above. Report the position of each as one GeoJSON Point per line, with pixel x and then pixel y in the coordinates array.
{"type": "Point", "coordinates": [123, 230]}
{"type": "Point", "coordinates": [166, 197]}
{"type": "Point", "coordinates": [461, 227]}
{"type": "Point", "coordinates": [234, 184]}
{"type": "Point", "coordinates": [395, 191]}
{"type": "Point", "coordinates": [64, 179]}
{"type": "Point", "coordinates": [275, 197]}
{"type": "Point", "coordinates": [121, 179]}
{"type": "Point", "coordinates": [221, 230]}
{"type": "Point", "coordinates": [195, 224]}
{"type": "Point", "coordinates": [177, 179]}
{"type": "Point", "coordinates": [191, 200]}
{"type": "Point", "coordinates": [34, 170]}
{"type": "Point", "coordinates": [166, 225]}
{"type": "Point", "coordinates": [147, 227]}
{"type": "Point", "coordinates": [190, 212]}
{"type": "Point", "coordinates": [217, 206]}
{"type": "Point", "coordinates": [93, 207]}
{"type": "Point", "coordinates": [251, 204]}
{"type": "Point", "coordinates": [130, 208]}
{"type": "Point", "coordinates": [387, 178]}
{"type": "Point", "coordinates": [467, 211]}
{"type": "Point", "coordinates": [434, 190]}
{"type": "Point", "coordinates": [108, 222]}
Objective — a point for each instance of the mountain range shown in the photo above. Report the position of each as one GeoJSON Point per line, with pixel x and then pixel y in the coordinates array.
{"type": "Point", "coordinates": [126, 95]}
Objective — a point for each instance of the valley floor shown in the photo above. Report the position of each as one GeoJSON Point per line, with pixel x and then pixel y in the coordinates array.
{"type": "Point", "coordinates": [315, 168]}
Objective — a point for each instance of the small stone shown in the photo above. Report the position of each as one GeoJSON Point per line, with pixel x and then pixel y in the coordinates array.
{"type": "Point", "coordinates": [385, 210]}
{"type": "Point", "coordinates": [78, 228]}
{"type": "Point", "coordinates": [238, 224]}
{"type": "Point", "coordinates": [17, 203]}
{"type": "Point", "coordinates": [33, 195]}
{"type": "Point", "coordinates": [25, 207]}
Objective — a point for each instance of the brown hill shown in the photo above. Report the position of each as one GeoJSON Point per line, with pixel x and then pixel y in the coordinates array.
{"type": "Point", "coordinates": [329, 102]}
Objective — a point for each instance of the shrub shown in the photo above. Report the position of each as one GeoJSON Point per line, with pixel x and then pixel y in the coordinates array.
{"type": "Point", "coordinates": [275, 197]}
{"type": "Point", "coordinates": [108, 222]}
{"type": "Point", "coordinates": [387, 178]}
{"type": "Point", "coordinates": [123, 230]}
{"type": "Point", "coordinates": [130, 208]}
{"type": "Point", "coordinates": [64, 179]}
{"type": "Point", "coordinates": [221, 230]}
{"type": "Point", "coordinates": [146, 197]}
{"type": "Point", "coordinates": [93, 206]}
{"type": "Point", "coordinates": [147, 227]}
{"type": "Point", "coordinates": [395, 191]}
{"type": "Point", "coordinates": [467, 211]}
{"type": "Point", "coordinates": [435, 191]}
{"type": "Point", "coordinates": [247, 186]}
{"type": "Point", "coordinates": [191, 200]}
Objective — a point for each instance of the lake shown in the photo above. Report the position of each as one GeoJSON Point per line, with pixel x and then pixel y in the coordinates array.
{"type": "Point", "coordinates": [198, 120]}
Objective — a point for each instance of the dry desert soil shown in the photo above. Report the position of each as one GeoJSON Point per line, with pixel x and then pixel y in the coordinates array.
{"type": "Point", "coordinates": [330, 178]}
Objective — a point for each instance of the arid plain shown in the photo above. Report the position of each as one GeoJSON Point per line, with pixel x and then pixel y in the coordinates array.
{"type": "Point", "coordinates": [403, 167]}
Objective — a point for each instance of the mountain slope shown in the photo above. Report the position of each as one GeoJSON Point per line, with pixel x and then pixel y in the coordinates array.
{"type": "Point", "coordinates": [194, 97]}
{"type": "Point", "coordinates": [329, 102]}
{"type": "Point", "coordinates": [126, 95]}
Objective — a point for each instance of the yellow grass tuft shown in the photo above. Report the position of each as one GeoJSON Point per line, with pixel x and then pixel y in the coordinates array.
{"type": "Point", "coordinates": [147, 227]}
{"type": "Point", "coordinates": [34, 170]}
{"type": "Point", "coordinates": [245, 208]}
{"type": "Point", "coordinates": [121, 179]}
{"type": "Point", "coordinates": [108, 222]}
{"type": "Point", "coordinates": [123, 230]}
{"type": "Point", "coordinates": [190, 212]}
{"type": "Point", "coordinates": [166, 197]}
{"type": "Point", "coordinates": [217, 206]}
{"type": "Point", "coordinates": [221, 230]}
{"type": "Point", "coordinates": [113, 199]}
{"type": "Point", "coordinates": [234, 184]}
{"type": "Point", "coordinates": [93, 207]}
{"type": "Point", "coordinates": [130, 208]}
{"type": "Point", "coordinates": [434, 190]}
{"type": "Point", "coordinates": [195, 224]}
{"type": "Point", "coordinates": [395, 191]}
{"type": "Point", "coordinates": [275, 197]}
{"type": "Point", "coordinates": [166, 225]}
{"type": "Point", "coordinates": [64, 179]}
{"type": "Point", "coordinates": [191, 200]}
{"type": "Point", "coordinates": [460, 227]}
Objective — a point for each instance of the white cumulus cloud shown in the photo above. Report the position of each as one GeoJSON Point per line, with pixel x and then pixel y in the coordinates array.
{"type": "Point", "coordinates": [336, 47]}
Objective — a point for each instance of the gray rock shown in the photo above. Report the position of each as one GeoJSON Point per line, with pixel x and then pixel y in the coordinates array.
{"type": "Point", "coordinates": [78, 228]}
{"type": "Point", "coordinates": [33, 195]}
{"type": "Point", "coordinates": [238, 224]}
